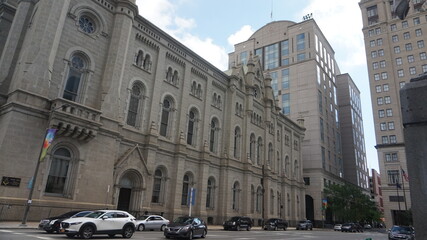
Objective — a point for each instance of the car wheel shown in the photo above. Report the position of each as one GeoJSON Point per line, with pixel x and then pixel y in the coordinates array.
{"type": "Point", "coordinates": [127, 231]}
{"type": "Point", "coordinates": [86, 232]}
{"type": "Point", "coordinates": [275, 228]}
{"type": "Point", "coordinates": [70, 235]}
{"type": "Point", "coordinates": [284, 228]}
{"type": "Point", "coordinates": [141, 227]}
{"type": "Point", "coordinates": [311, 228]}
{"type": "Point", "coordinates": [248, 228]}
{"type": "Point", "coordinates": [204, 234]}
{"type": "Point", "coordinates": [162, 228]}
{"type": "Point", "coordinates": [190, 235]}
{"type": "Point", "coordinates": [111, 235]}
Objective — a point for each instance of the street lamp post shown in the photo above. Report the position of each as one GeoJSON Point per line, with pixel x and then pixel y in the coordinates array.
{"type": "Point", "coordinates": [39, 160]}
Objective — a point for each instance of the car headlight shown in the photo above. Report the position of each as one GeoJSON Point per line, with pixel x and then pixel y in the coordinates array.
{"type": "Point", "coordinates": [186, 228]}
{"type": "Point", "coordinates": [76, 223]}
{"type": "Point", "coordinates": [233, 223]}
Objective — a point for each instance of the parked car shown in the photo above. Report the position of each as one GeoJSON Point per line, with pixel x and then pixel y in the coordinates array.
{"type": "Point", "coordinates": [53, 224]}
{"type": "Point", "coordinates": [109, 222]}
{"type": "Point", "coordinates": [401, 232]}
{"type": "Point", "coordinates": [367, 226]}
{"type": "Point", "coordinates": [151, 222]}
{"type": "Point", "coordinates": [275, 224]}
{"type": "Point", "coordinates": [186, 227]}
{"type": "Point", "coordinates": [337, 227]}
{"type": "Point", "coordinates": [351, 227]}
{"type": "Point", "coordinates": [237, 223]}
{"type": "Point", "coordinates": [304, 225]}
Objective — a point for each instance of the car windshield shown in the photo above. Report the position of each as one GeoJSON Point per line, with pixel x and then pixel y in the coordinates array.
{"type": "Point", "coordinates": [67, 215]}
{"type": "Point", "coordinates": [234, 218]}
{"type": "Point", "coordinates": [186, 220]}
{"type": "Point", "coordinates": [82, 214]}
{"type": "Point", "coordinates": [271, 220]}
{"type": "Point", "coordinates": [95, 214]}
{"type": "Point", "coordinates": [143, 217]}
{"type": "Point", "coordinates": [403, 230]}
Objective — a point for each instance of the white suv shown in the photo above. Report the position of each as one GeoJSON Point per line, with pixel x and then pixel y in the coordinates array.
{"type": "Point", "coordinates": [109, 222]}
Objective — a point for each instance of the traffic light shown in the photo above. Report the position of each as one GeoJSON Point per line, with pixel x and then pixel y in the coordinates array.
{"type": "Point", "coordinates": [401, 8]}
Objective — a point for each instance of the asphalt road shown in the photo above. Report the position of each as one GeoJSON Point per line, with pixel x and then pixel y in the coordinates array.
{"type": "Point", "coordinates": [24, 234]}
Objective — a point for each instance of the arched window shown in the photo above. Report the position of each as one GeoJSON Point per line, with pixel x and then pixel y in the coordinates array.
{"type": "Point", "coordinates": [164, 122]}
{"type": "Point", "coordinates": [240, 110]}
{"type": "Point", "coordinates": [297, 208]}
{"type": "Point", "coordinates": [252, 199]}
{"type": "Point", "coordinates": [287, 163]}
{"type": "Point", "coordinates": [139, 58]}
{"type": "Point", "coordinates": [259, 151]}
{"type": "Point", "coordinates": [252, 148]}
{"type": "Point", "coordinates": [158, 187]}
{"type": "Point", "coordinates": [77, 70]}
{"type": "Point", "coordinates": [87, 24]}
{"type": "Point", "coordinates": [272, 200]}
{"type": "Point", "coordinates": [270, 154]}
{"type": "Point", "coordinates": [258, 200]}
{"type": "Point", "coordinates": [193, 88]}
{"type": "Point", "coordinates": [210, 194]}
{"type": "Point", "coordinates": [135, 103]}
{"type": "Point", "coordinates": [279, 204]}
{"type": "Point", "coordinates": [58, 180]}
{"type": "Point", "coordinates": [237, 109]}
{"type": "Point", "coordinates": [199, 91]}
{"type": "Point", "coordinates": [186, 184]}
{"type": "Point", "coordinates": [169, 74]}
{"type": "Point", "coordinates": [236, 147]}
{"type": "Point", "coordinates": [175, 78]}
{"type": "Point", "coordinates": [191, 127]}
{"type": "Point", "coordinates": [147, 62]}
{"type": "Point", "coordinates": [276, 165]}
{"type": "Point", "coordinates": [296, 168]}
{"type": "Point", "coordinates": [213, 138]}
{"type": "Point", "coordinates": [214, 99]}
{"type": "Point", "coordinates": [289, 204]}
{"type": "Point", "coordinates": [236, 196]}
{"type": "Point", "coordinates": [219, 102]}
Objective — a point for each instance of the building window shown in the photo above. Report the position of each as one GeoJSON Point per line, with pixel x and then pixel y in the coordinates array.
{"type": "Point", "coordinates": [185, 190]}
{"type": "Point", "coordinates": [418, 32]}
{"type": "Point", "coordinates": [393, 176]}
{"type": "Point", "coordinates": [375, 65]}
{"type": "Point", "coordinates": [411, 58]}
{"type": "Point", "coordinates": [376, 76]}
{"type": "Point", "coordinates": [394, 38]}
{"type": "Point", "coordinates": [408, 47]}
{"type": "Point", "coordinates": [164, 122]}
{"type": "Point", "coordinates": [390, 125]}
{"type": "Point", "coordinates": [398, 61]}
{"type": "Point", "coordinates": [383, 126]}
{"type": "Point", "coordinates": [384, 75]}
{"type": "Point", "coordinates": [389, 112]}
{"type": "Point", "coordinates": [135, 105]}
{"type": "Point", "coordinates": [236, 146]}
{"type": "Point", "coordinates": [300, 42]}
{"type": "Point", "coordinates": [210, 194]}
{"type": "Point", "coordinates": [379, 101]}
{"type": "Point", "coordinates": [402, 84]}
{"type": "Point", "coordinates": [424, 68]}
{"type": "Point", "coordinates": [59, 178]}
{"type": "Point", "coordinates": [213, 138]}
{"type": "Point", "coordinates": [412, 71]}
{"type": "Point", "coordinates": [372, 43]}
{"type": "Point", "coordinates": [86, 24]}
{"type": "Point", "coordinates": [417, 21]}
{"type": "Point", "coordinates": [382, 64]}
{"type": "Point", "coordinates": [381, 52]}
{"type": "Point", "coordinates": [397, 49]}
{"type": "Point", "coordinates": [406, 35]}
{"type": "Point", "coordinates": [423, 56]}
{"type": "Point", "coordinates": [393, 27]}
{"type": "Point", "coordinates": [244, 57]}
{"type": "Point", "coordinates": [285, 78]}
{"type": "Point", "coordinates": [381, 113]}
{"type": "Point", "coordinates": [301, 57]}
{"type": "Point", "coordinates": [377, 31]}
{"type": "Point", "coordinates": [271, 57]}
{"type": "Point", "coordinates": [286, 105]}
{"type": "Point", "coordinates": [405, 24]}
{"type": "Point", "coordinates": [387, 99]}
{"type": "Point", "coordinates": [384, 139]}
{"type": "Point", "coordinates": [379, 41]}
{"type": "Point", "coordinates": [258, 204]}
{"type": "Point", "coordinates": [236, 196]}
{"type": "Point", "coordinates": [76, 74]}
{"type": "Point", "coordinates": [259, 151]}
{"type": "Point", "coordinates": [385, 87]}
{"type": "Point", "coordinates": [400, 73]}
{"type": "Point", "coordinates": [391, 157]}
{"type": "Point", "coordinates": [191, 127]}
{"type": "Point", "coordinates": [285, 47]}
{"type": "Point", "coordinates": [420, 44]}
{"type": "Point", "coordinates": [373, 54]}
{"type": "Point", "coordinates": [378, 88]}
{"type": "Point", "coordinates": [158, 187]}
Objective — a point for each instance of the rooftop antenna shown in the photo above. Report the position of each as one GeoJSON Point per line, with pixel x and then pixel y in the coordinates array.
{"type": "Point", "coordinates": [271, 13]}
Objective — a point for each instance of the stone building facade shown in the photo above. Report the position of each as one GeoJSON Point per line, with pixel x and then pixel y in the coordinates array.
{"type": "Point", "coordinates": [140, 119]}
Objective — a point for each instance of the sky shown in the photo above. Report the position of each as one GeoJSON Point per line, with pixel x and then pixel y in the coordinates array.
{"type": "Point", "coordinates": [211, 28]}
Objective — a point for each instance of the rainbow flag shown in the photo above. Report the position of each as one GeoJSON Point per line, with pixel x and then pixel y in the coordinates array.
{"type": "Point", "coordinates": [50, 134]}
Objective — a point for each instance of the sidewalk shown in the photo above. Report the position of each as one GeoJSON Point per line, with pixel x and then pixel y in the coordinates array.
{"type": "Point", "coordinates": [15, 225]}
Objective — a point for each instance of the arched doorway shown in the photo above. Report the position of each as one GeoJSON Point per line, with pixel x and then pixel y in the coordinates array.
{"type": "Point", "coordinates": [309, 207]}
{"type": "Point", "coordinates": [130, 190]}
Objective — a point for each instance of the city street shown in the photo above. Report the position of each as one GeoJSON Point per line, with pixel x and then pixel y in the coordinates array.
{"type": "Point", "coordinates": [19, 234]}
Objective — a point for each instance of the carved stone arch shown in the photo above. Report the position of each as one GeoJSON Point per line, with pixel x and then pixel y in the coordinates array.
{"type": "Point", "coordinates": [128, 190]}
{"type": "Point", "coordinates": [81, 8]}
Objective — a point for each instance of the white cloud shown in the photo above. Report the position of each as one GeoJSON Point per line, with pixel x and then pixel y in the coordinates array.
{"type": "Point", "coordinates": [241, 35]}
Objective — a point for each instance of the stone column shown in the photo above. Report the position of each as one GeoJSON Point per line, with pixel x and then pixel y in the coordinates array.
{"type": "Point", "coordinates": [414, 118]}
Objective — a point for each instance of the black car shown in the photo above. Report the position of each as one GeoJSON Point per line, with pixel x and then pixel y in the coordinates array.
{"type": "Point", "coordinates": [275, 224]}
{"type": "Point", "coordinates": [304, 225]}
{"type": "Point", "coordinates": [52, 224]}
{"type": "Point", "coordinates": [186, 227]}
{"type": "Point", "coordinates": [237, 223]}
{"type": "Point", "coordinates": [351, 227]}
{"type": "Point", "coordinates": [401, 232]}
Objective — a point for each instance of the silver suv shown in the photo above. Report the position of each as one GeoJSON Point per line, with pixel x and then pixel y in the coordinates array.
{"type": "Point", "coordinates": [305, 224]}
{"type": "Point", "coordinates": [109, 222]}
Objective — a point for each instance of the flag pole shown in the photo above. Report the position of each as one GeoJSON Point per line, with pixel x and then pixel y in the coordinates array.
{"type": "Point", "coordinates": [398, 202]}
{"type": "Point", "coordinates": [403, 189]}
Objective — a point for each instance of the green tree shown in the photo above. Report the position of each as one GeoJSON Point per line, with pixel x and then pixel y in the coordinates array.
{"type": "Point", "coordinates": [349, 204]}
